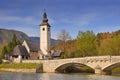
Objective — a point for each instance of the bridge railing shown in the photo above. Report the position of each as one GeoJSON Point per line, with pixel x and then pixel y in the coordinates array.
{"type": "Point", "coordinates": [82, 59]}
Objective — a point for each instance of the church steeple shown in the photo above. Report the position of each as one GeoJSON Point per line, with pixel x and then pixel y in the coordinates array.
{"type": "Point", "coordinates": [44, 20]}
{"type": "Point", "coordinates": [45, 36]}
{"type": "Point", "coordinates": [45, 17]}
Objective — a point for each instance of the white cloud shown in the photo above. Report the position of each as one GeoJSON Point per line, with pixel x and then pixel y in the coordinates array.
{"type": "Point", "coordinates": [28, 25]}
{"type": "Point", "coordinates": [24, 20]}
{"type": "Point", "coordinates": [29, 30]}
{"type": "Point", "coordinates": [81, 20]}
{"type": "Point", "coordinates": [28, 19]}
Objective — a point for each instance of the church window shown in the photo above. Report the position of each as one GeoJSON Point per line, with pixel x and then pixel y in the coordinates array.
{"type": "Point", "coordinates": [43, 29]}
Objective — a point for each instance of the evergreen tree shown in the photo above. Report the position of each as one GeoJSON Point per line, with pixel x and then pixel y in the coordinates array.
{"type": "Point", "coordinates": [10, 47]}
{"type": "Point", "coordinates": [14, 40]}
{"type": "Point", "coordinates": [4, 51]}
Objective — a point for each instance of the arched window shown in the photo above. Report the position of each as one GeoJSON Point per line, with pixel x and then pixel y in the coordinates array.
{"type": "Point", "coordinates": [43, 29]}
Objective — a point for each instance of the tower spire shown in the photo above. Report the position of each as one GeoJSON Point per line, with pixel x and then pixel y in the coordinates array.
{"type": "Point", "coordinates": [45, 20]}
{"type": "Point", "coordinates": [44, 15]}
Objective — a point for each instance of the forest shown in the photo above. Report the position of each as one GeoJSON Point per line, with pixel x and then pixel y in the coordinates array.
{"type": "Point", "coordinates": [87, 43]}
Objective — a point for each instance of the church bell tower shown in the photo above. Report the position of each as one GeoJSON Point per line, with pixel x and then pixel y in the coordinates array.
{"type": "Point", "coordinates": [45, 37]}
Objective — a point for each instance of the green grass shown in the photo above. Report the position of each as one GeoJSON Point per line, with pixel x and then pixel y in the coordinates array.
{"type": "Point", "coordinates": [20, 65]}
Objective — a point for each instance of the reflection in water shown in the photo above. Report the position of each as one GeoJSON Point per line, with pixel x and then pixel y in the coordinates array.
{"type": "Point", "coordinates": [54, 76]}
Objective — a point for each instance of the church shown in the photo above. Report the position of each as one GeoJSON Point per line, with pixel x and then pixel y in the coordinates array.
{"type": "Point", "coordinates": [30, 50]}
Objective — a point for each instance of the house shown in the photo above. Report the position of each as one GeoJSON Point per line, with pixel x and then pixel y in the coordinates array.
{"type": "Point", "coordinates": [27, 51]}
{"type": "Point", "coordinates": [32, 49]}
{"type": "Point", "coordinates": [18, 54]}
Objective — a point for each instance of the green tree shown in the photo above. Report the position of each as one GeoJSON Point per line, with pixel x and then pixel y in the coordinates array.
{"type": "Point", "coordinates": [10, 47]}
{"type": "Point", "coordinates": [86, 44]}
{"type": "Point", "coordinates": [14, 40]}
{"type": "Point", "coordinates": [4, 51]}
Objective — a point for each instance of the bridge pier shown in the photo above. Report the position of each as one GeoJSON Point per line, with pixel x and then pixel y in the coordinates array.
{"type": "Point", "coordinates": [101, 72]}
{"type": "Point", "coordinates": [98, 70]}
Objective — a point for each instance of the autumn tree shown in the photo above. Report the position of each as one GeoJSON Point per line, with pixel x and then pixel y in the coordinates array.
{"type": "Point", "coordinates": [86, 44]}
{"type": "Point", "coordinates": [63, 37]}
{"type": "Point", "coordinates": [110, 46]}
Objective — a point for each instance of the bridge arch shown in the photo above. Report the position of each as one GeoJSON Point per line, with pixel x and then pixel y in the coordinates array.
{"type": "Point", "coordinates": [111, 66]}
{"type": "Point", "coordinates": [71, 67]}
{"type": "Point", "coordinates": [100, 64]}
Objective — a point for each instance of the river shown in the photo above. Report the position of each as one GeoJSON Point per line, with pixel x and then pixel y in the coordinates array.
{"type": "Point", "coordinates": [55, 76]}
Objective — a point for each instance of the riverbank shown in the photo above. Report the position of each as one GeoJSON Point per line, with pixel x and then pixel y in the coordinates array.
{"type": "Point", "coordinates": [21, 67]}
{"type": "Point", "coordinates": [35, 67]}
{"type": "Point", "coordinates": [18, 70]}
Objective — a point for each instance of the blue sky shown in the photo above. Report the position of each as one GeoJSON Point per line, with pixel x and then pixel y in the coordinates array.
{"type": "Point", "coordinates": [71, 15]}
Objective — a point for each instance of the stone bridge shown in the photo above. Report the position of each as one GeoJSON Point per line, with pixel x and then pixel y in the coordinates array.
{"type": "Point", "coordinates": [100, 64]}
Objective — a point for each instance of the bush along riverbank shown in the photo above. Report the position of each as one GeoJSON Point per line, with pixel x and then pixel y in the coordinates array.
{"type": "Point", "coordinates": [21, 67]}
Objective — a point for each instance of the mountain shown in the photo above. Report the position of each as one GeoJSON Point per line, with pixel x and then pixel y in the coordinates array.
{"type": "Point", "coordinates": [6, 35]}
{"type": "Point", "coordinates": [37, 39]}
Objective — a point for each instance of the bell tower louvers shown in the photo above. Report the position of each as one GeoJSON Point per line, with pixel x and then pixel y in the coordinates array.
{"type": "Point", "coordinates": [45, 36]}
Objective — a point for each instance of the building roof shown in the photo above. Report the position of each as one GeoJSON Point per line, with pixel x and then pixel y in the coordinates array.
{"type": "Point", "coordinates": [57, 53]}
{"type": "Point", "coordinates": [34, 46]}
{"type": "Point", "coordinates": [20, 50]}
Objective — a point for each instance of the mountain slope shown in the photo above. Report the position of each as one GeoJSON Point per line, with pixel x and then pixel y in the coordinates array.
{"type": "Point", "coordinates": [6, 35]}
{"type": "Point", "coordinates": [37, 39]}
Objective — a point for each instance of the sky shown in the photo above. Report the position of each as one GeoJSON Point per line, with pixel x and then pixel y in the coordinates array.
{"type": "Point", "coordinates": [70, 15]}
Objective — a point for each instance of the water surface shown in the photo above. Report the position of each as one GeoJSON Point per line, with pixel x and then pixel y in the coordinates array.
{"type": "Point", "coordinates": [55, 76]}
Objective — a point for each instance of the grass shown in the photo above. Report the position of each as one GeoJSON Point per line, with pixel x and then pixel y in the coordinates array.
{"type": "Point", "coordinates": [20, 65]}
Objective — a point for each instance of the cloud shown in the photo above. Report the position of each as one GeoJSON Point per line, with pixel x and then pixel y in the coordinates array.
{"type": "Point", "coordinates": [27, 20]}
{"type": "Point", "coordinates": [81, 20]}
{"type": "Point", "coordinates": [29, 30]}
{"type": "Point", "coordinates": [28, 25]}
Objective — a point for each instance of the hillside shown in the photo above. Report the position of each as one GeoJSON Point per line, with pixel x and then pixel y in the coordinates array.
{"type": "Point", "coordinates": [37, 39]}
{"type": "Point", "coordinates": [6, 35]}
